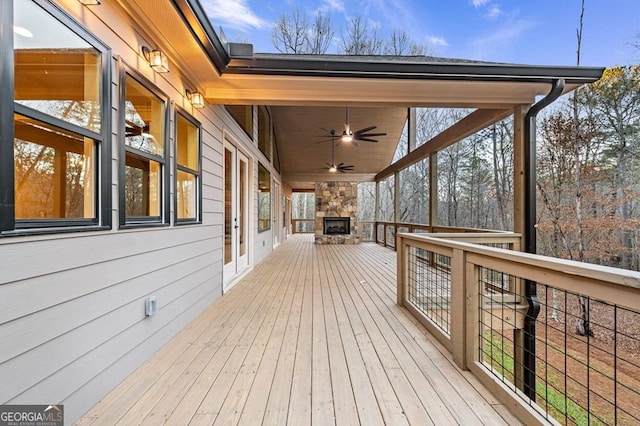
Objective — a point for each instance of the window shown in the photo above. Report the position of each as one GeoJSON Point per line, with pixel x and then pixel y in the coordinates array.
{"type": "Point", "coordinates": [276, 155]}
{"type": "Point", "coordinates": [264, 199]}
{"type": "Point", "coordinates": [243, 114]}
{"type": "Point", "coordinates": [56, 172]}
{"type": "Point", "coordinates": [143, 188]}
{"type": "Point", "coordinates": [264, 132]}
{"type": "Point", "coordinates": [187, 175]}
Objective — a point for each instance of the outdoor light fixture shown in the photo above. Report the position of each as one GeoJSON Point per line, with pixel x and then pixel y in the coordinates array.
{"type": "Point", "coordinates": [347, 136]}
{"type": "Point", "coordinates": [90, 2]}
{"type": "Point", "coordinates": [196, 98]}
{"type": "Point", "coordinates": [156, 58]}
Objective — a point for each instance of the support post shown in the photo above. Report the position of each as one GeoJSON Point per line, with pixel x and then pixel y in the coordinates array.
{"type": "Point", "coordinates": [458, 308]}
{"type": "Point", "coordinates": [433, 190]}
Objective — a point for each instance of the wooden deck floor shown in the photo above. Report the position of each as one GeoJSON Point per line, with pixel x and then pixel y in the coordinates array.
{"type": "Point", "coordinates": [311, 336]}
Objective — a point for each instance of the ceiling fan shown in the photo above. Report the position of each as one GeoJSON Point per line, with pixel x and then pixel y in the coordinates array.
{"type": "Point", "coordinates": [362, 135]}
{"type": "Point", "coordinates": [333, 167]}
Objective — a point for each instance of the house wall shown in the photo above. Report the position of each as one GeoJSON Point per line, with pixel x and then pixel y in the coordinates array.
{"type": "Point", "coordinates": [72, 319]}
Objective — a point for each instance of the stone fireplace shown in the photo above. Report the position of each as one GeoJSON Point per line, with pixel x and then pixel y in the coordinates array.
{"type": "Point", "coordinates": [336, 213]}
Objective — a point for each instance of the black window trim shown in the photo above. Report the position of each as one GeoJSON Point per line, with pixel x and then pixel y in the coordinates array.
{"type": "Point", "coordinates": [9, 226]}
{"type": "Point", "coordinates": [226, 108]}
{"type": "Point", "coordinates": [125, 70]}
{"type": "Point", "coordinates": [198, 173]}
{"type": "Point", "coordinates": [269, 157]}
{"type": "Point", "coordinates": [267, 169]}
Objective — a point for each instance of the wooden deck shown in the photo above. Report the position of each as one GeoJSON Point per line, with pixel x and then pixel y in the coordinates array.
{"type": "Point", "coordinates": [311, 336]}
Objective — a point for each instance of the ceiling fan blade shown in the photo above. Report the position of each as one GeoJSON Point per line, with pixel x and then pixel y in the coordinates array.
{"type": "Point", "coordinates": [366, 135]}
{"type": "Point", "coordinates": [366, 129]}
{"type": "Point", "coordinates": [366, 140]}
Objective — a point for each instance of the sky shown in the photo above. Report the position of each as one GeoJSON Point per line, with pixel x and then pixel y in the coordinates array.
{"type": "Point", "coordinates": [534, 32]}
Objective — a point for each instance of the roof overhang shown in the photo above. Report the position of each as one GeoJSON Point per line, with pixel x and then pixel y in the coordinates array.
{"type": "Point", "coordinates": [307, 92]}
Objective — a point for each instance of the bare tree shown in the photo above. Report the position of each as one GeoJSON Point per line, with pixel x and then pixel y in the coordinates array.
{"type": "Point", "coordinates": [290, 32]}
{"type": "Point", "coordinates": [401, 43]}
{"type": "Point", "coordinates": [360, 38]}
{"type": "Point", "coordinates": [319, 35]}
{"type": "Point", "coordinates": [583, 326]}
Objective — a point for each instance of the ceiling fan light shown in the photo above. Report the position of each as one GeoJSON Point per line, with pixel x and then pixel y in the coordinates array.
{"type": "Point", "coordinates": [333, 168]}
{"type": "Point", "coordinates": [347, 137]}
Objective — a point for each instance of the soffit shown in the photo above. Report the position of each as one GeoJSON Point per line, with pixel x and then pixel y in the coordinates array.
{"type": "Point", "coordinates": [304, 141]}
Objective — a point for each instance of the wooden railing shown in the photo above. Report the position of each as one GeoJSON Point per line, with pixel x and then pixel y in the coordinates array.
{"type": "Point", "coordinates": [385, 232]}
{"type": "Point", "coordinates": [510, 318]}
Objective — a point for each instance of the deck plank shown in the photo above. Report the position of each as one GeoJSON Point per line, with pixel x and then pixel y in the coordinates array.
{"type": "Point", "coordinates": [312, 335]}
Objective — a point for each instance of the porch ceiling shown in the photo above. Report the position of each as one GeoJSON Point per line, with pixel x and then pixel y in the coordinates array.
{"type": "Point", "coordinates": [305, 148]}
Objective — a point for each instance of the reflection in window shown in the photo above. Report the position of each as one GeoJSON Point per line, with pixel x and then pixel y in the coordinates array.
{"type": "Point", "coordinates": [56, 71]}
{"type": "Point", "coordinates": [188, 168]}
{"type": "Point", "coordinates": [55, 176]}
{"type": "Point", "coordinates": [264, 199]}
{"type": "Point", "coordinates": [143, 185]}
{"type": "Point", "coordinates": [144, 124]}
{"type": "Point", "coordinates": [144, 119]}
{"type": "Point", "coordinates": [243, 114]}
{"type": "Point", "coordinates": [264, 132]}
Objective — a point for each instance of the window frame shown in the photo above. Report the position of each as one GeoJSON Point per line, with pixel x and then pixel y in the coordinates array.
{"type": "Point", "coordinates": [270, 218]}
{"type": "Point", "coordinates": [268, 143]}
{"type": "Point", "coordinates": [9, 225]}
{"type": "Point", "coordinates": [248, 132]}
{"type": "Point", "coordinates": [126, 71]}
{"type": "Point", "coordinates": [176, 167]}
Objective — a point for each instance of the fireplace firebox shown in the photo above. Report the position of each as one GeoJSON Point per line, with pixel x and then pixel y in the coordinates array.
{"type": "Point", "coordinates": [336, 226]}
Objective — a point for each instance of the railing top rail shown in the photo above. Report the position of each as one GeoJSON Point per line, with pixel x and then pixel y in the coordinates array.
{"type": "Point", "coordinates": [587, 271]}
{"type": "Point", "coordinates": [503, 237]}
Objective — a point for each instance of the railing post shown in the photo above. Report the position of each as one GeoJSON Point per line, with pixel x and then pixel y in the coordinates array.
{"type": "Point", "coordinates": [457, 311]}
{"type": "Point", "coordinates": [472, 328]}
{"type": "Point", "coordinates": [402, 263]}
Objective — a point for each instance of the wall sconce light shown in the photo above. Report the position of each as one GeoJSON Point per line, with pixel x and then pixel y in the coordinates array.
{"type": "Point", "coordinates": [196, 98]}
{"type": "Point", "coordinates": [156, 58]}
{"type": "Point", "coordinates": [89, 2]}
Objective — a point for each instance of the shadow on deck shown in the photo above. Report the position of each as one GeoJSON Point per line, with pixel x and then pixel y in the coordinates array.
{"type": "Point", "coordinates": [312, 335]}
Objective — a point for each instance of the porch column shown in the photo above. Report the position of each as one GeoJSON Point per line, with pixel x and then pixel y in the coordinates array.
{"type": "Point", "coordinates": [396, 204]}
{"type": "Point", "coordinates": [376, 213]}
{"type": "Point", "coordinates": [412, 130]}
{"type": "Point", "coordinates": [433, 190]}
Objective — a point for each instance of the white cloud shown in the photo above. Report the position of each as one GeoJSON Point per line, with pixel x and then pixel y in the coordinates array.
{"type": "Point", "coordinates": [501, 40]}
{"type": "Point", "coordinates": [479, 3]}
{"type": "Point", "coordinates": [494, 12]}
{"type": "Point", "coordinates": [437, 41]}
{"type": "Point", "coordinates": [333, 6]}
{"type": "Point", "coordinates": [233, 14]}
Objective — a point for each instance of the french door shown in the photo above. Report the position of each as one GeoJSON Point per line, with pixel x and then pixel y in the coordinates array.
{"type": "Point", "coordinates": [236, 217]}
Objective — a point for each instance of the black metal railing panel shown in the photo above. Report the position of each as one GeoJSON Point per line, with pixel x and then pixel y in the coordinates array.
{"type": "Point", "coordinates": [429, 286]}
{"type": "Point", "coordinates": [587, 351]}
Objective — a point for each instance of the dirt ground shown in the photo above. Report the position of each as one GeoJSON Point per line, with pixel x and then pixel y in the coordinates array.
{"type": "Point", "coordinates": [600, 373]}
